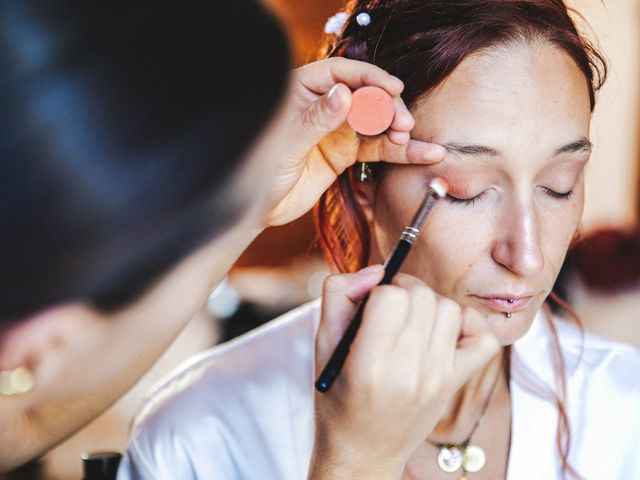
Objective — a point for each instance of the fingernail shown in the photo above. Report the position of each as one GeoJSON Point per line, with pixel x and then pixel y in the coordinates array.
{"type": "Point", "coordinates": [432, 152]}
{"type": "Point", "coordinates": [438, 150]}
{"type": "Point", "coordinates": [370, 270]}
{"type": "Point", "coordinates": [333, 102]}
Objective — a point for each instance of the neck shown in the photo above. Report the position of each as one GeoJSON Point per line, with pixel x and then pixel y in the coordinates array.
{"type": "Point", "coordinates": [466, 406]}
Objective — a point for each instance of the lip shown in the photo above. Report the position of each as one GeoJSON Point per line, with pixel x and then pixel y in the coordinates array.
{"type": "Point", "coordinates": [506, 303]}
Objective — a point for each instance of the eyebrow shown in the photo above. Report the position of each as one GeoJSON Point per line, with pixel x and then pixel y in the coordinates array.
{"type": "Point", "coordinates": [582, 144]}
{"type": "Point", "coordinates": [472, 150]}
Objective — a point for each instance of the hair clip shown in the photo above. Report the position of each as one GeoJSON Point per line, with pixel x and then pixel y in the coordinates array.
{"type": "Point", "coordinates": [336, 23]}
{"type": "Point", "coordinates": [363, 19]}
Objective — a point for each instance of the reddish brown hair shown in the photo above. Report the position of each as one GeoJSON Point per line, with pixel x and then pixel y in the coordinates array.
{"type": "Point", "coordinates": [422, 42]}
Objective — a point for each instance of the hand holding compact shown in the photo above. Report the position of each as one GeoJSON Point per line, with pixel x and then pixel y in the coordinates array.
{"type": "Point", "coordinates": [319, 143]}
{"type": "Point", "coordinates": [413, 351]}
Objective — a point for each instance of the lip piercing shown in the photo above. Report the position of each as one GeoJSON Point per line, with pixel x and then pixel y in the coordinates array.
{"type": "Point", "coordinates": [511, 301]}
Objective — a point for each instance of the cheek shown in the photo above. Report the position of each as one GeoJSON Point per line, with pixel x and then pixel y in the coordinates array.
{"type": "Point", "coordinates": [448, 249]}
{"type": "Point", "coordinates": [559, 229]}
{"type": "Point", "coordinates": [451, 243]}
{"type": "Point", "coordinates": [396, 200]}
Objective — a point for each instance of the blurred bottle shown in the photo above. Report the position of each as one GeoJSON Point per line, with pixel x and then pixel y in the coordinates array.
{"type": "Point", "coordinates": [100, 465]}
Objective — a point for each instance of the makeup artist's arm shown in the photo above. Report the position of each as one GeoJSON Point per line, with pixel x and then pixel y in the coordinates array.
{"type": "Point", "coordinates": [372, 420]}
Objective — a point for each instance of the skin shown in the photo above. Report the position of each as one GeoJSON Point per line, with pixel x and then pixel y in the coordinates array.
{"type": "Point", "coordinates": [510, 241]}
{"type": "Point", "coordinates": [83, 359]}
{"type": "Point", "coordinates": [527, 105]}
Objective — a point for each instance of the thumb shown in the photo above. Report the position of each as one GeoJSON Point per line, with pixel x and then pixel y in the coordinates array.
{"type": "Point", "coordinates": [326, 114]}
{"type": "Point", "coordinates": [340, 298]}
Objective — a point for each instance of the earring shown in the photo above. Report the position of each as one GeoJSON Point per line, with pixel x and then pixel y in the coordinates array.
{"type": "Point", "coordinates": [365, 172]}
{"type": "Point", "coordinates": [15, 382]}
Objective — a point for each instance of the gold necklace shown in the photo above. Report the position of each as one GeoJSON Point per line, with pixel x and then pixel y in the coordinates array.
{"type": "Point", "coordinates": [471, 458]}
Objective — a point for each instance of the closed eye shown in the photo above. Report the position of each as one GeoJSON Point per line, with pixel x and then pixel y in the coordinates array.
{"type": "Point", "coordinates": [464, 201]}
{"type": "Point", "coordinates": [558, 195]}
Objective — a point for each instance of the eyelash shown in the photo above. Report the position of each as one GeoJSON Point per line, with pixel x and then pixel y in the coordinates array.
{"type": "Point", "coordinates": [464, 201]}
{"type": "Point", "coordinates": [471, 201]}
{"type": "Point", "coordinates": [559, 196]}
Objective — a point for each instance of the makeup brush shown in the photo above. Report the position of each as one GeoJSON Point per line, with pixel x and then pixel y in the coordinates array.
{"type": "Point", "coordinates": [437, 189]}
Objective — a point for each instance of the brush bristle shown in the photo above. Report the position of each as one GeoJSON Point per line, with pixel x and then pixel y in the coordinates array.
{"type": "Point", "coordinates": [439, 186]}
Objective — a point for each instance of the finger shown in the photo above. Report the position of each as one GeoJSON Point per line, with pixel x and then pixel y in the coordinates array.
{"type": "Point", "coordinates": [419, 152]}
{"type": "Point", "coordinates": [370, 149]}
{"type": "Point", "coordinates": [382, 149]}
{"type": "Point", "coordinates": [321, 76]}
{"type": "Point", "coordinates": [476, 346]}
{"type": "Point", "coordinates": [423, 305]}
{"type": "Point", "coordinates": [340, 299]}
{"type": "Point", "coordinates": [403, 120]}
{"type": "Point", "coordinates": [336, 152]}
{"type": "Point", "coordinates": [385, 315]}
{"type": "Point", "coordinates": [407, 282]}
{"type": "Point", "coordinates": [398, 138]}
{"type": "Point", "coordinates": [324, 115]}
{"type": "Point", "coordinates": [446, 329]}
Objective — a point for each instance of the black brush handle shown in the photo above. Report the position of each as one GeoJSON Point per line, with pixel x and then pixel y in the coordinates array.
{"type": "Point", "coordinates": [339, 355]}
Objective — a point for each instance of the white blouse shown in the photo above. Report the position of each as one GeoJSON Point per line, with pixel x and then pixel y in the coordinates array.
{"type": "Point", "coordinates": [244, 409]}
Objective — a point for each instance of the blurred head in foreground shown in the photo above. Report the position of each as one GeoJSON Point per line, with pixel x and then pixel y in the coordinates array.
{"type": "Point", "coordinates": [125, 128]}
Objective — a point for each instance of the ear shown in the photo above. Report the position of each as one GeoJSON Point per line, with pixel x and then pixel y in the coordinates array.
{"type": "Point", "coordinates": [365, 193]}
{"type": "Point", "coordinates": [41, 336]}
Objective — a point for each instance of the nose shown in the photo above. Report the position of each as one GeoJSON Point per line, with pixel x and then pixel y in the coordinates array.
{"type": "Point", "coordinates": [518, 245]}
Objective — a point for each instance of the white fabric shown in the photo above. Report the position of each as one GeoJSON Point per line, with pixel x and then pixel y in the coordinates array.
{"type": "Point", "coordinates": [243, 410]}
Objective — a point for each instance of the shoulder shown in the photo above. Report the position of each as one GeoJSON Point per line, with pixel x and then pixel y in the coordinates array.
{"type": "Point", "coordinates": [283, 342]}
{"type": "Point", "coordinates": [275, 343]}
{"type": "Point", "coordinates": [603, 383]}
{"type": "Point", "coordinates": [590, 361]}
{"type": "Point", "coordinates": [602, 394]}
{"type": "Point", "coordinates": [603, 388]}
{"type": "Point", "coordinates": [218, 394]}
{"type": "Point", "coordinates": [595, 357]}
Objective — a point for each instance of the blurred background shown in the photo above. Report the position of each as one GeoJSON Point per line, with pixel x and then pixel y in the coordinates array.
{"type": "Point", "coordinates": [283, 268]}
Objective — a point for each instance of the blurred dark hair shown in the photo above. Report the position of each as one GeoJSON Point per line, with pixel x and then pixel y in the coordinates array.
{"type": "Point", "coordinates": [121, 123]}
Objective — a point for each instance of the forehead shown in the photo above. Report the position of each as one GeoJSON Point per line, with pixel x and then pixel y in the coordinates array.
{"type": "Point", "coordinates": [527, 95]}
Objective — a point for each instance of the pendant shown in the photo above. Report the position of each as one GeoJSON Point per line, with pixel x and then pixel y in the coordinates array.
{"type": "Point", "coordinates": [474, 459]}
{"type": "Point", "coordinates": [450, 459]}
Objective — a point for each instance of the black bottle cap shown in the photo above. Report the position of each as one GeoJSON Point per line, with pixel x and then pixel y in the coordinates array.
{"type": "Point", "coordinates": [100, 465]}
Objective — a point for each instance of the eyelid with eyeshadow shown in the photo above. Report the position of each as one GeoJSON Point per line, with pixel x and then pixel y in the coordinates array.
{"type": "Point", "coordinates": [465, 201]}
{"type": "Point", "coordinates": [472, 200]}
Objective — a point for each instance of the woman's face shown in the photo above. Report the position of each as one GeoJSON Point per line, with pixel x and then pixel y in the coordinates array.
{"type": "Point", "coordinates": [515, 121]}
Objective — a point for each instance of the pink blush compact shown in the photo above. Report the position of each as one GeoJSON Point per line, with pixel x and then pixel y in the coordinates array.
{"type": "Point", "coordinates": [372, 110]}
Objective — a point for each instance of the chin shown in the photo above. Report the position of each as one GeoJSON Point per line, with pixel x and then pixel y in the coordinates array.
{"type": "Point", "coordinates": [508, 330]}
